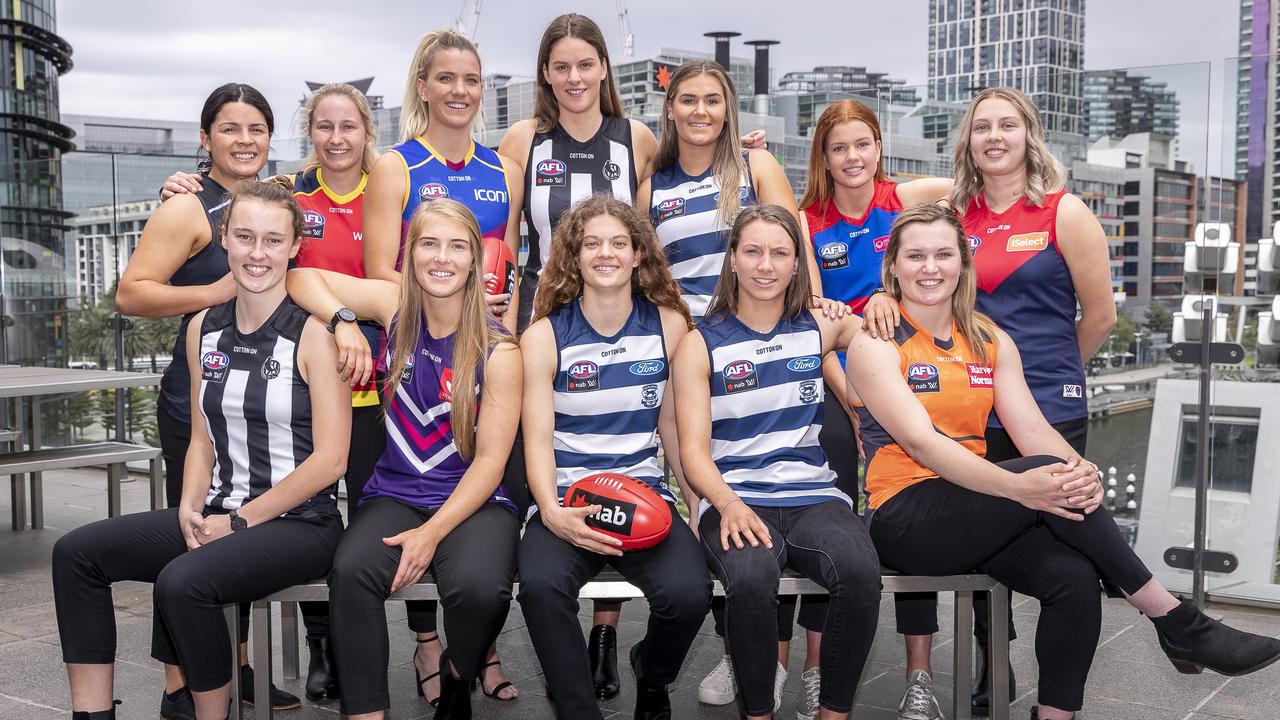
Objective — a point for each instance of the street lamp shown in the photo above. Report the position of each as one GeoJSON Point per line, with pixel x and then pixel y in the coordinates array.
{"type": "Point", "coordinates": [1137, 338]}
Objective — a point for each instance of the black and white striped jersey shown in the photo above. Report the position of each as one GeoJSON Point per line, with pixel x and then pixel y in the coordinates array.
{"type": "Point", "coordinates": [257, 407]}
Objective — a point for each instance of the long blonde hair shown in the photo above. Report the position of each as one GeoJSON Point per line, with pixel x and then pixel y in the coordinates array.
{"type": "Point", "coordinates": [727, 164]}
{"type": "Point", "coordinates": [725, 297]}
{"type": "Point", "coordinates": [477, 333]}
{"type": "Point", "coordinates": [821, 187]}
{"type": "Point", "coordinates": [1045, 174]}
{"type": "Point", "coordinates": [368, 153]}
{"type": "Point", "coordinates": [976, 328]}
{"type": "Point", "coordinates": [546, 111]}
{"type": "Point", "coordinates": [413, 111]}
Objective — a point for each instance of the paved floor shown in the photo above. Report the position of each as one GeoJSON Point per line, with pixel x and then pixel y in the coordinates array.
{"type": "Point", "coordinates": [1130, 680]}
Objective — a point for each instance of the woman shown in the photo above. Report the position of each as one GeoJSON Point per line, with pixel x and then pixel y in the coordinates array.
{"type": "Point", "coordinates": [434, 500]}
{"type": "Point", "coordinates": [768, 497]}
{"type": "Point", "coordinates": [253, 518]}
{"type": "Point", "coordinates": [605, 293]}
{"type": "Point", "coordinates": [1034, 523]}
{"type": "Point", "coordinates": [849, 205]}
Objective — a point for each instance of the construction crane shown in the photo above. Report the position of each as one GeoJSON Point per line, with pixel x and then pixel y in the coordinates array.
{"type": "Point", "coordinates": [624, 29]}
{"type": "Point", "coordinates": [466, 31]}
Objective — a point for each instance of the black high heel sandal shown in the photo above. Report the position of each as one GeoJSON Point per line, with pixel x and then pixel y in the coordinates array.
{"type": "Point", "coordinates": [417, 675]}
{"type": "Point", "coordinates": [497, 689]}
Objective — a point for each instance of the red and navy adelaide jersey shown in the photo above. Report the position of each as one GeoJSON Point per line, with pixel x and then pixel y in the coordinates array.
{"type": "Point", "coordinates": [1025, 287]}
{"type": "Point", "coordinates": [332, 233]}
{"type": "Point", "coordinates": [849, 251]}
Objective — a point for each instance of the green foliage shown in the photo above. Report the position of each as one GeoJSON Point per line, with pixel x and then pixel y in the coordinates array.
{"type": "Point", "coordinates": [1158, 319]}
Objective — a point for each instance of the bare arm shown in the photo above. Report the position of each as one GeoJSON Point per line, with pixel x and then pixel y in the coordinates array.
{"type": "Point", "coordinates": [384, 203]}
{"type": "Point", "coordinates": [197, 466]}
{"type": "Point", "coordinates": [1017, 408]}
{"type": "Point", "coordinates": [924, 190]}
{"type": "Point", "coordinates": [645, 148]}
{"type": "Point", "coordinates": [176, 231]}
{"type": "Point", "coordinates": [516, 144]}
{"type": "Point", "coordinates": [323, 292]}
{"type": "Point", "coordinates": [1084, 247]}
{"type": "Point", "coordinates": [644, 193]}
{"type": "Point", "coordinates": [673, 331]}
{"type": "Point", "coordinates": [515, 195]}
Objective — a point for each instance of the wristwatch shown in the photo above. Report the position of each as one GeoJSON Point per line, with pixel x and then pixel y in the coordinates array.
{"type": "Point", "coordinates": [237, 522]}
{"type": "Point", "coordinates": [344, 314]}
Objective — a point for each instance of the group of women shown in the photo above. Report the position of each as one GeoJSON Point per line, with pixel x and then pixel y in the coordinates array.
{"type": "Point", "coordinates": [714, 316]}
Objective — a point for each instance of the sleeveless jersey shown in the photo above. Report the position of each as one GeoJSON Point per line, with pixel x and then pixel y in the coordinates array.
{"type": "Point", "coordinates": [479, 182]}
{"type": "Point", "coordinates": [421, 465]}
{"type": "Point", "coordinates": [257, 407]}
{"type": "Point", "coordinates": [850, 251]}
{"type": "Point", "coordinates": [1025, 287]}
{"type": "Point", "coordinates": [766, 410]}
{"type": "Point", "coordinates": [607, 394]}
{"type": "Point", "coordinates": [955, 389]}
{"type": "Point", "coordinates": [684, 214]}
{"type": "Point", "coordinates": [205, 267]}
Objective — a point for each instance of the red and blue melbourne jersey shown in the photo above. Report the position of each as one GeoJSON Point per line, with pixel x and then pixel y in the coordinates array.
{"type": "Point", "coordinates": [1024, 285]}
{"type": "Point", "coordinates": [479, 182]}
{"type": "Point", "coordinates": [849, 251]}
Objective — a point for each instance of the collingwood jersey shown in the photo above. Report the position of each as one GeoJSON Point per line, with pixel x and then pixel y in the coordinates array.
{"type": "Point", "coordinates": [257, 407]}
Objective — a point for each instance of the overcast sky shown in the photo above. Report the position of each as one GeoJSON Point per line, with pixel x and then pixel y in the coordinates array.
{"type": "Point", "coordinates": [147, 58]}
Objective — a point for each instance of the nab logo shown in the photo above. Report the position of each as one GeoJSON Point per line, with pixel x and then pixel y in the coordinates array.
{"type": "Point", "coordinates": [807, 363]}
{"type": "Point", "coordinates": [740, 375]}
{"type": "Point", "coordinates": [834, 256]}
{"type": "Point", "coordinates": [923, 377]}
{"type": "Point", "coordinates": [433, 191]}
{"type": "Point", "coordinates": [672, 207]}
{"type": "Point", "coordinates": [647, 367]}
{"type": "Point", "coordinates": [214, 360]}
{"type": "Point", "coordinates": [1027, 242]}
{"type": "Point", "coordinates": [615, 515]}
{"type": "Point", "coordinates": [313, 224]}
{"type": "Point", "coordinates": [583, 375]}
{"type": "Point", "coordinates": [881, 243]}
{"type": "Point", "coordinates": [551, 168]}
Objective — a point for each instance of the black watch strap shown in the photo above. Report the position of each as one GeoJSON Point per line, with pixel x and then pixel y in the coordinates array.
{"type": "Point", "coordinates": [237, 522]}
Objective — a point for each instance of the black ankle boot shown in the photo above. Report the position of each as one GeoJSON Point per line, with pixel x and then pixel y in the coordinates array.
{"type": "Point", "coordinates": [455, 694]}
{"type": "Point", "coordinates": [1193, 641]}
{"type": "Point", "coordinates": [980, 699]}
{"type": "Point", "coordinates": [280, 700]}
{"type": "Point", "coordinates": [652, 700]}
{"type": "Point", "coordinates": [322, 673]}
{"type": "Point", "coordinates": [96, 715]}
{"type": "Point", "coordinates": [178, 705]}
{"type": "Point", "coordinates": [602, 649]}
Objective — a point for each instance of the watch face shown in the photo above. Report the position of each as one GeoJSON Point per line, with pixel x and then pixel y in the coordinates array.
{"type": "Point", "coordinates": [347, 315]}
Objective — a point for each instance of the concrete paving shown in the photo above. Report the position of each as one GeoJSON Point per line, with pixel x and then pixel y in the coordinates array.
{"type": "Point", "coordinates": [1131, 680]}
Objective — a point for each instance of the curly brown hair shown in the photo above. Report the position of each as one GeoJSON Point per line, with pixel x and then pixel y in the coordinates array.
{"type": "Point", "coordinates": [561, 279]}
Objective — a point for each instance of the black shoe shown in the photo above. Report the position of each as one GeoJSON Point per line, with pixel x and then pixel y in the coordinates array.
{"type": "Point", "coordinates": [280, 700]}
{"type": "Point", "coordinates": [417, 675]}
{"type": "Point", "coordinates": [980, 699]}
{"type": "Point", "coordinates": [652, 701]}
{"type": "Point", "coordinates": [109, 714]}
{"type": "Point", "coordinates": [602, 649]}
{"type": "Point", "coordinates": [178, 705]}
{"type": "Point", "coordinates": [322, 672]}
{"type": "Point", "coordinates": [1193, 641]}
{"type": "Point", "coordinates": [455, 694]}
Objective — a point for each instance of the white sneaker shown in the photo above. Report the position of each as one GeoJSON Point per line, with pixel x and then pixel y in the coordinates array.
{"type": "Point", "coordinates": [779, 680]}
{"type": "Point", "coordinates": [812, 679]}
{"type": "Point", "coordinates": [918, 702]}
{"type": "Point", "coordinates": [719, 687]}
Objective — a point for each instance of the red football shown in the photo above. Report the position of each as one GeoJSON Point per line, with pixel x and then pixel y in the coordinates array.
{"type": "Point", "coordinates": [630, 510]}
{"type": "Point", "coordinates": [499, 261]}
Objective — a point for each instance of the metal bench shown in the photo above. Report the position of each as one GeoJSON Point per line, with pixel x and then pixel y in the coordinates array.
{"type": "Point", "coordinates": [112, 454]}
{"type": "Point", "coordinates": [610, 584]}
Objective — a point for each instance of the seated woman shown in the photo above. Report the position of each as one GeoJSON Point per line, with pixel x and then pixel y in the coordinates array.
{"type": "Point", "coordinates": [1034, 523]}
{"type": "Point", "coordinates": [749, 381]}
{"type": "Point", "coordinates": [434, 500]}
{"type": "Point", "coordinates": [258, 511]}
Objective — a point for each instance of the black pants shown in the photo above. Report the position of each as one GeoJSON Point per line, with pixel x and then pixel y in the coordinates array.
{"type": "Point", "coordinates": [827, 544]}
{"type": "Point", "coordinates": [938, 528]}
{"type": "Point", "coordinates": [368, 439]}
{"type": "Point", "coordinates": [472, 567]}
{"type": "Point", "coordinates": [175, 436]}
{"type": "Point", "coordinates": [672, 575]}
{"type": "Point", "coordinates": [190, 586]}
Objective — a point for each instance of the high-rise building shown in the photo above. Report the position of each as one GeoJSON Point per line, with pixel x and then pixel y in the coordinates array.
{"type": "Point", "coordinates": [1119, 103]}
{"type": "Point", "coordinates": [849, 80]}
{"type": "Point", "coordinates": [386, 121]}
{"type": "Point", "coordinates": [104, 238]}
{"type": "Point", "coordinates": [120, 160]}
{"type": "Point", "coordinates": [1036, 46]}
{"type": "Point", "coordinates": [1256, 111]}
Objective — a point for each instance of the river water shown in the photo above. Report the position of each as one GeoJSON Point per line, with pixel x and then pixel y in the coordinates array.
{"type": "Point", "coordinates": [1121, 441]}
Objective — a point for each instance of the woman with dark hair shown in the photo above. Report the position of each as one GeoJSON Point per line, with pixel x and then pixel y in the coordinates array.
{"type": "Point", "coordinates": [1034, 523]}
{"type": "Point", "coordinates": [258, 511]}
{"type": "Point", "coordinates": [749, 379]}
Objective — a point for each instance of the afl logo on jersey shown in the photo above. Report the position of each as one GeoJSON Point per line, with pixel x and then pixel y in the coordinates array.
{"type": "Point", "coordinates": [214, 366]}
{"type": "Point", "coordinates": [669, 208]}
{"type": "Point", "coordinates": [647, 367]}
{"type": "Point", "coordinates": [834, 256]}
{"type": "Point", "coordinates": [583, 375]}
{"type": "Point", "coordinates": [612, 171]}
{"type": "Point", "coordinates": [312, 224]}
{"type": "Point", "coordinates": [550, 172]}
{"type": "Point", "coordinates": [740, 375]}
{"type": "Point", "coordinates": [432, 191]}
{"type": "Point", "coordinates": [270, 369]}
{"type": "Point", "coordinates": [923, 377]}
{"type": "Point", "coordinates": [808, 363]}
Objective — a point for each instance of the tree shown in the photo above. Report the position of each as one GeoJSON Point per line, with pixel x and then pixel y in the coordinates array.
{"type": "Point", "coordinates": [1121, 338]}
{"type": "Point", "coordinates": [1158, 319]}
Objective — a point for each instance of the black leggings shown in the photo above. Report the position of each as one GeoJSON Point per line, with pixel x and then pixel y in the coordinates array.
{"type": "Point", "coordinates": [938, 528]}
{"type": "Point", "coordinates": [473, 568]}
{"type": "Point", "coordinates": [191, 587]}
{"type": "Point", "coordinates": [673, 576]}
{"type": "Point", "coordinates": [827, 544]}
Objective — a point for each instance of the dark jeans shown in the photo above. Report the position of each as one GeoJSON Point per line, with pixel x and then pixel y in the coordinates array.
{"type": "Point", "coordinates": [472, 567]}
{"type": "Point", "coordinates": [938, 528]}
{"type": "Point", "coordinates": [827, 544]}
{"type": "Point", "coordinates": [191, 586]}
{"type": "Point", "coordinates": [672, 575]}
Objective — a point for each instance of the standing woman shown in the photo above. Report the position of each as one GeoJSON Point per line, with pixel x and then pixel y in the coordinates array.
{"type": "Point", "coordinates": [434, 500]}
{"type": "Point", "coordinates": [749, 381]}
{"type": "Point", "coordinates": [607, 300]}
{"type": "Point", "coordinates": [254, 517]}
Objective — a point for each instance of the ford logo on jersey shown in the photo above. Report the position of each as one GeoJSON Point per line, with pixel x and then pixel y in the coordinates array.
{"type": "Point", "coordinates": [551, 167]}
{"type": "Point", "coordinates": [583, 375]}
{"type": "Point", "coordinates": [215, 360]}
{"type": "Point", "coordinates": [647, 367]}
{"type": "Point", "coordinates": [433, 191]}
{"type": "Point", "coordinates": [803, 364]}
{"type": "Point", "coordinates": [833, 250]}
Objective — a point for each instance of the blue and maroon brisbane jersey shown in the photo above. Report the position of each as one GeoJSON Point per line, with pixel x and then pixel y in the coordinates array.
{"type": "Point", "coordinates": [1025, 287]}
{"type": "Point", "coordinates": [849, 250]}
{"type": "Point", "coordinates": [479, 182]}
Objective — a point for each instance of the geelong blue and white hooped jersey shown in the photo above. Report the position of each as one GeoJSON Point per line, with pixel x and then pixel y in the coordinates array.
{"type": "Point", "coordinates": [607, 395]}
{"type": "Point", "coordinates": [766, 410]}
{"type": "Point", "coordinates": [256, 407]}
{"type": "Point", "coordinates": [684, 212]}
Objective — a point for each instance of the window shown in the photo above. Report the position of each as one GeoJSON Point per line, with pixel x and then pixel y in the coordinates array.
{"type": "Point", "coordinates": [1233, 439]}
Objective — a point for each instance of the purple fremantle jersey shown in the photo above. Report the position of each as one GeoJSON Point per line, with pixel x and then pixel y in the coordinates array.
{"type": "Point", "coordinates": [421, 465]}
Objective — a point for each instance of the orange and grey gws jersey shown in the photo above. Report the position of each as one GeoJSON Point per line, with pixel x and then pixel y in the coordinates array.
{"type": "Point", "coordinates": [953, 386]}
